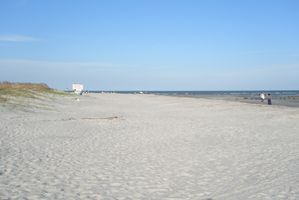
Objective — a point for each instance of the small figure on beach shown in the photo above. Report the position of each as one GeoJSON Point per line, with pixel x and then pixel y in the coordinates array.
{"type": "Point", "coordinates": [269, 99]}
{"type": "Point", "coordinates": [263, 96]}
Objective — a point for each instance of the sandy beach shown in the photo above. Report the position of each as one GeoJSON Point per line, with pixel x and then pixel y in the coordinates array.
{"type": "Point", "coordinates": [126, 146]}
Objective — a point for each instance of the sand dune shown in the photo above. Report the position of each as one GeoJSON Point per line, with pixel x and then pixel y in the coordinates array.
{"type": "Point", "coordinates": [125, 146]}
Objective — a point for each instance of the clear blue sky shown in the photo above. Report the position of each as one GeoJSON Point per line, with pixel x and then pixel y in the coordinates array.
{"type": "Point", "coordinates": [151, 44]}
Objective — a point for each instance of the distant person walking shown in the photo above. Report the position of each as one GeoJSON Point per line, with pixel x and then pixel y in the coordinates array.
{"type": "Point", "coordinates": [263, 96]}
{"type": "Point", "coordinates": [269, 99]}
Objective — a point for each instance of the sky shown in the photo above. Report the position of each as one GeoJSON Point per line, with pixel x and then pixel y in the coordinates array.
{"type": "Point", "coordinates": [151, 44]}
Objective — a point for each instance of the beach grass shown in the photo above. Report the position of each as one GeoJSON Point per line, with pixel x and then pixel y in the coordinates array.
{"type": "Point", "coordinates": [10, 90]}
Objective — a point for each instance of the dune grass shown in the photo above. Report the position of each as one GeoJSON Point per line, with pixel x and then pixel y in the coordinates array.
{"type": "Point", "coordinates": [10, 90]}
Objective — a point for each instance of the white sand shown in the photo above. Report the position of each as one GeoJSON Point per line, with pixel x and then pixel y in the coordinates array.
{"type": "Point", "coordinates": [121, 146]}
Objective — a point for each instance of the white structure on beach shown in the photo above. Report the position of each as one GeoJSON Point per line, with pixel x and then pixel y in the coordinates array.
{"type": "Point", "coordinates": [77, 88]}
